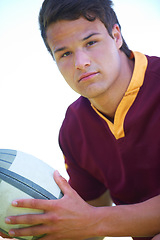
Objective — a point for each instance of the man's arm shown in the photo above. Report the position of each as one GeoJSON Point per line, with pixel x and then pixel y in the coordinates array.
{"type": "Point", "coordinates": [103, 200]}
{"type": "Point", "coordinates": [136, 220]}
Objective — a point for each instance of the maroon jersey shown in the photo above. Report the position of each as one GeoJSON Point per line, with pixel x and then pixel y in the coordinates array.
{"type": "Point", "coordinates": [123, 156]}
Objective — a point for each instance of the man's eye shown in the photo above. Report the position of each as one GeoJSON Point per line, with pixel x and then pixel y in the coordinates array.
{"type": "Point", "coordinates": [66, 54]}
{"type": "Point", "coordinates": [91, 43]}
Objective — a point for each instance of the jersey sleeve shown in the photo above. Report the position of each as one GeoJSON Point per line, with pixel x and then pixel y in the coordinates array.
{"type": "Point", "coordinates": [83, 182]}
{"type": "Point", "coordinates": [78, 158]}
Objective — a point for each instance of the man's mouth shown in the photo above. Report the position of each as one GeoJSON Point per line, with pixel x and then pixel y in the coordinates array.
{"type": "Point", "coordinates": [87, 76]}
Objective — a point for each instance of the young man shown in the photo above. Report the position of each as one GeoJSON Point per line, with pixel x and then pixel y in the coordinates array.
{"type": "Point", "coordinates": [110, 134]}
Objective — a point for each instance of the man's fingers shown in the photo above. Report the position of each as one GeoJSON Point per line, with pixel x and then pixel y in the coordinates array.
{"type": "Point", "coordinates": [31, 219]}
{"type": "Point", "coordinates": [39, 204]}
{"type": "Point", "coordinates": [62, 183]}
{"type": "Point", "coordinates": [30, 231]}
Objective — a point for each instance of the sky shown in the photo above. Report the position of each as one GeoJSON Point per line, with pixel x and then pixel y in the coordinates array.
{"type": "Point", "coordinates": [33, 95]}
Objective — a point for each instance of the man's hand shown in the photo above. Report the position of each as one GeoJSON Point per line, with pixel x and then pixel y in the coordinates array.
{"type": "Point", "coordinates": [67, 218]}
{"type": "Point", "coordinates": [71, 218]}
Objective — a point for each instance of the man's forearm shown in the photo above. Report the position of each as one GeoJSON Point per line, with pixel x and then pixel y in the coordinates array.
{"type": "Point", "coordinates": [141, 219]}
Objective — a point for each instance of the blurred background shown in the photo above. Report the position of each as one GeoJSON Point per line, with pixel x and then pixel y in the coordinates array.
{"type": "Point", "coordinates": [33, 94]}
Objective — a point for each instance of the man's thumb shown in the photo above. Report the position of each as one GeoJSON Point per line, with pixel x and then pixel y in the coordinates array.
{"type": "Point", "coordinates": [61, 182]}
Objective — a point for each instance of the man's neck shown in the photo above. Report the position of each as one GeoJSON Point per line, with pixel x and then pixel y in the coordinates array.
{"type": "Point", "coordinates": [107, 104]}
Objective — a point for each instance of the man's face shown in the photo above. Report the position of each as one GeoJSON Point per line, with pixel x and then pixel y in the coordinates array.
{"type": "Point", "coordinates": [86, 55]}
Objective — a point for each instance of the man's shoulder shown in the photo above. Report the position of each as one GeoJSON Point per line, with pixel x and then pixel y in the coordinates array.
{"type": "Point", "coordinates": [79, 115]}
{"type": "Point", "coordinates": [79, 107]}
{"type": "Point", "coordinates": [80, 119]}
{"type": "Point", "coordinates": [77, 111]}
{"type": "Point", "coordinates": [153, 64]}
{"type": "Point", "coordinates": [79, 103]}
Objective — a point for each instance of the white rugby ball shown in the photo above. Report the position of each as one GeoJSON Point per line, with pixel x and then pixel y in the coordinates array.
{"type": "Point", "coordinates": [23, 176]}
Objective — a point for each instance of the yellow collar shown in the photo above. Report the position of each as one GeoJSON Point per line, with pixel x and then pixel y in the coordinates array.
{"type": "Point", "coordinates": [117, 128]}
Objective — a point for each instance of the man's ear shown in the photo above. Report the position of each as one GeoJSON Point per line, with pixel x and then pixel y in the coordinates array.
{"type": "Point", "coordinates": [116, 33]}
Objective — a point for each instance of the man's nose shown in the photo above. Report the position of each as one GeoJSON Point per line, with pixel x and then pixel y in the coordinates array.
{"type": "Point", "coordinates": [82, 60]}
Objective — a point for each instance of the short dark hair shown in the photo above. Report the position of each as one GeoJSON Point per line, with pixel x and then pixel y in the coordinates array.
{"type": "Point", "coordinates": [54, 10]}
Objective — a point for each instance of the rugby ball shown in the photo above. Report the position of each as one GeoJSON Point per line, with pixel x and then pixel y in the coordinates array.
{"type": "Point", "coordinates": [23, 176]}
